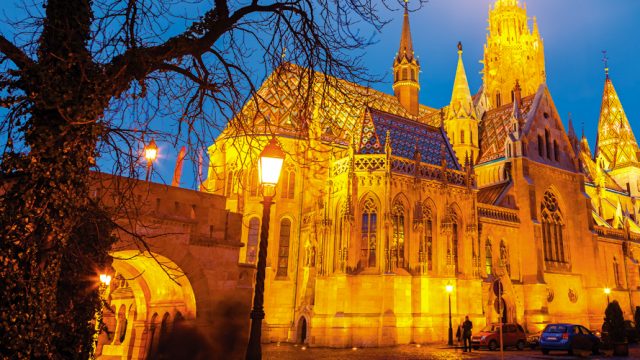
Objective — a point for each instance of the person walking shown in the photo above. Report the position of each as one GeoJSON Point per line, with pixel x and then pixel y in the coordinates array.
{"type": "Point", "coordinates": [467, 325]}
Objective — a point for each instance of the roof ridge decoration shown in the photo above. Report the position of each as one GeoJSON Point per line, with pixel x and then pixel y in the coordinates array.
{"type": "Point", "coordinates": [461, 105]}
{"type": "Point", "coordinates": [615, 139]}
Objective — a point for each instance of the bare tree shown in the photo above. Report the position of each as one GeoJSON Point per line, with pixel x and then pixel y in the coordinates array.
{"type": "Point", "coordinates": [85, 81]}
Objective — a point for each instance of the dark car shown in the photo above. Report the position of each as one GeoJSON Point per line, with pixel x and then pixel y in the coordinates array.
{"type": "Point", "coordinates": [631, 331]}
{"type": "Point", "coordinates": [568, 337]}
{"type": "Point", "coordinates": [513, 335]}
{"type": "Point", "coordinates": [533, 340]}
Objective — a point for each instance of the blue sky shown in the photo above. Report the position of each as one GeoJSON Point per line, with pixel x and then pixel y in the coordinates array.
{"type": "Point", "coordinates": [574, 31]}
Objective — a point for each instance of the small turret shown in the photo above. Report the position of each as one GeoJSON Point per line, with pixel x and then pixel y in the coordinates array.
{"type": "Point", "coordinates": [406, 70]}
{"type": "Point", "coordinates": [461, 122]}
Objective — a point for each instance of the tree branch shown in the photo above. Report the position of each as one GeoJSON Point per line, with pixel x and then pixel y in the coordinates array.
{"type": "Point", "coordinates": [14, 54]}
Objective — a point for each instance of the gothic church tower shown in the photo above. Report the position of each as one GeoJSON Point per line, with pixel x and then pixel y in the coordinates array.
{"type": "Point", "coordinates": [406, 70]}
{"type": "Point", "coordinates": [512, 52]}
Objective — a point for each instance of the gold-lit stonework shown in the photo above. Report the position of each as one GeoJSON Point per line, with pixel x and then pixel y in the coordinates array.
{"type": "Point", "coordinates": [383, 202]}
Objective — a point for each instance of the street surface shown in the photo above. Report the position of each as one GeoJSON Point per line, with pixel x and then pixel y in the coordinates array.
{"type": "Point", "coordinates": [411, 352]}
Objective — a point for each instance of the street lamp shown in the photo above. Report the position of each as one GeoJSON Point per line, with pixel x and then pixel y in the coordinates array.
{"type": "Point", "coordinates": [269, 167]}
{"type": "Point", "coordinates": [150, 153]}
{"type": "Point", "coordinates": [105, 280]}
{"type": "Point", "coordinates": [449, 289]}
{"type": "Point", "coordinates": [607, 291]}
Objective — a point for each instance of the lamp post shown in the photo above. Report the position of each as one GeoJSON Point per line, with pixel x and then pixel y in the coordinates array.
{"type": "Point", "coordinates": [449, 289]}
{"type": "Point", "coordinates": [269, 167]}
{"type": "Point", "coordinates": [150, 153]}
{"type": "Point", "coordinates": [105, 280]}
{"type": "Point", "coordinates": [607, 291]}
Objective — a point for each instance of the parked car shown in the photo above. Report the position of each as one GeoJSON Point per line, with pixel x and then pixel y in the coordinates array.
{"type": "Point", "coordinates": [513, 335]}
{"type": "Point", "coordinates": [533, 339]}
{"type": "Point", "coordinates": [631, 331]}
{"type": "Point", "coordinates": [568, 337]}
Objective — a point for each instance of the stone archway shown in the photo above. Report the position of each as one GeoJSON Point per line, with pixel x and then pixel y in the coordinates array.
{"type": "Point", "coordinates": [147, 289]}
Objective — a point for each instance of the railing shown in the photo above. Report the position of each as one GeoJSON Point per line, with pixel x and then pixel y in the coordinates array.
{"type": "Point", "coordinates": [399, 165]}
{"type": "Point", "coordinates": [498, 213]}
{"type": "Point", "coordinates": [609, 233]}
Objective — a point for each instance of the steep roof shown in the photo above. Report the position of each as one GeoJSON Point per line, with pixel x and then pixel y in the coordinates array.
{"type": "Point", "coordinates": [491, 194]}
{"type": "Point", "coordinates": [615, 140]}
{"type": "Point", "coordinates": [334, 106]}
{"type": "Point", "coordinates": [461, 105]}
{"type": "Point", "coordinates": [406, 136]}
{"type": "Point", "coordinates": [495, 129]}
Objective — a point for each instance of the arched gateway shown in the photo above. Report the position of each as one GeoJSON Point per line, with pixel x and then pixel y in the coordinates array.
{"type": "Point", "coordinates": [184, 280]}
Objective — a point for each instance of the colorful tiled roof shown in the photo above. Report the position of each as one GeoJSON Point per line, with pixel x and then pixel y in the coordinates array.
{"type": "Point", "coordinates": [336, 106]}
{"type": "Point", "coordinates": [495, 128]}
{"type": "Point", "coordinates": [406, 137]}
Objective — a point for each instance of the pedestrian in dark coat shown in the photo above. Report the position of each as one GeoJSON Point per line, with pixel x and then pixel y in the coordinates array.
{"type": "Point", "coordinates": [467, 325]}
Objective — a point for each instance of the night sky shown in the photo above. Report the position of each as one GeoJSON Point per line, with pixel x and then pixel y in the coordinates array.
{"type": "Point", "coordinates": [574, 32]}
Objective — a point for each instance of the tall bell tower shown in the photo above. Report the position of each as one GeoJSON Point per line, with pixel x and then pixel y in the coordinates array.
{"type": "Point", "coordinates": [406, 70]}
{"type": "Point", "coordinates": [512, 52]}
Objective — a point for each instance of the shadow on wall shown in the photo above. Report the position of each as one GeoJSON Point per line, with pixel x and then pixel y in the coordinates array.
{"type": "Point", "coordinates": [226, 339]}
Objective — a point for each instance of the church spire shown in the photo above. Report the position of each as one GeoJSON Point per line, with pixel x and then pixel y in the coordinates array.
{"type": "Point", "coordinates": [615, 141]}
{"type": "Point", "coordinates": [461, 105]}
{"type": "Point", "coordinates": [406, 69]}
{"type": "Point", "coordinates": [461, 122]}
{"type": "Point", "coordinates": [406, 43]}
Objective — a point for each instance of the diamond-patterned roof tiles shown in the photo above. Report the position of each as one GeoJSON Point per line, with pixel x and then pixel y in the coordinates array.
{"type": "Point", "coordinates": [495, 128]}
{"type": "Point", "coordinates": [334, 103]}
{"type": "Point", "coordinates": [406, 137]}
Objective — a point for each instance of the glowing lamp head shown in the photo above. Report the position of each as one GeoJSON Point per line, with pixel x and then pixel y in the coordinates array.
{"type": "Point", "coordinates": [105, 279]}
{"type": "Point", "coordinates": [270, 163]}
{"type": "Point", "coordinates": [151, 151]}
{"type": "Point", "coordinates": [607, 290]}
{"type": "Point", "coordinates": [449, 288]}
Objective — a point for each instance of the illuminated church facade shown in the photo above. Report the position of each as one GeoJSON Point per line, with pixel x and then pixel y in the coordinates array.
{"type": "Point", "coordinates": [383, 201]}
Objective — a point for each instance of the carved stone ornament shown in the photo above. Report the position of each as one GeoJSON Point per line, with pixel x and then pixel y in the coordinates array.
{"type": "Point", "coordinates": [573, 296]}
{"type": "Point", "coordinates": [550, 294]}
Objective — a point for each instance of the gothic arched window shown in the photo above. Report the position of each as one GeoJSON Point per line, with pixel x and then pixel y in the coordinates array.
{"type": "Point", "coordinates": [451, 227]}
{"type": "Point", "coordinates": [488, 259]}
{"type": "Point", "coordinates": [556, 151]}
{"type": "Point", "coordinates": [252, 240]}
{"type": "Point", "coordinates": [283, 247]}
{"type": "Point", "coordinates": [461, 136]}
{"type": "Point", "coordinates": [540, 146]}
{"type": "Point", "coordinates": [504, 257]}
{"type": "Point", "coordinates": [616, 272]}
{"type": "Point", "coordinates": [253, 182]}
{"type": "Point", "coordinates": [553, 230]}
{"type": "Point", "coordinates": [288, 179]}
{"type": "Point", "coordinates": [427, 244]}
{"type": "Point", "coordinates": [368, 233]}
{"type": "Point", "coordinates": [405, 74]}
{"type": "Point", "coordinates": [547, 141]}
{"type": "Point", "coordinates": [397, 247]}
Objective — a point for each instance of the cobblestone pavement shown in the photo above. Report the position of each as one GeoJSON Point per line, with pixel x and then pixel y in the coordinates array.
{"type": "Point", "coordinates": [413, 352]}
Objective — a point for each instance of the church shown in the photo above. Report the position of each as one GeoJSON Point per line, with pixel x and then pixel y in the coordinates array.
{"type": "Point", "coordinates": [384, 203]}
